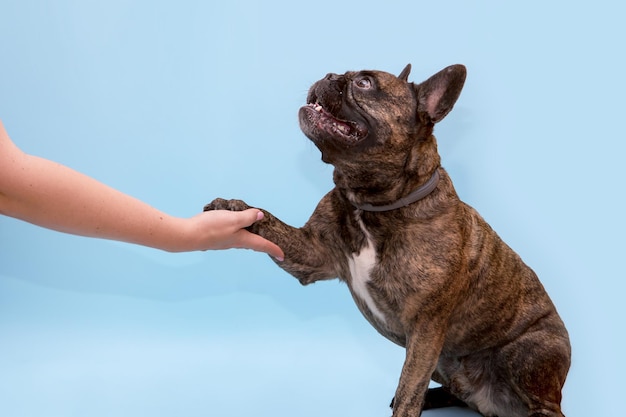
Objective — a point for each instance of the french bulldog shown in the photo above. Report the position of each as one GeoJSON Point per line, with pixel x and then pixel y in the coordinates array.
{"type": "Point", "coordinates": [423, 267]}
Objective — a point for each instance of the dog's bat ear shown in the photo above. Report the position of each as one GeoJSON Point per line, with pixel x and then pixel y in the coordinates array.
{"type": "Point", "coordinates": [404, 75]}
{"type": "Point", "coordinates": [436, 96]}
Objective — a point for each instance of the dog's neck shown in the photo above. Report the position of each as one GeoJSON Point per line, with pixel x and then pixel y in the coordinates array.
{"type": "Point", "coordinates": [381, 186]}
{"type": "Point", "coordinates": [416, 195]}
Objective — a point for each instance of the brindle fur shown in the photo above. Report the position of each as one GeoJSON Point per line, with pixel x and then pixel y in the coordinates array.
{"type": "Point", "coordinates": [471, 315]}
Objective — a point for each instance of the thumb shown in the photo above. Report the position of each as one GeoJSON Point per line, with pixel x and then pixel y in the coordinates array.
{"type": "Point", "coordinates": [253, 241]}
{"type": "Point", "coordinates": [249, 217]}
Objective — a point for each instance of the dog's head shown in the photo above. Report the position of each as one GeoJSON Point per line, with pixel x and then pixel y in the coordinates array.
{"type": "Point", "coordinates": [372, 119]}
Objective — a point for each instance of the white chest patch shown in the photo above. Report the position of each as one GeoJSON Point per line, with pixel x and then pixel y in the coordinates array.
{"type": "Point", "coordinates": [360, 268]}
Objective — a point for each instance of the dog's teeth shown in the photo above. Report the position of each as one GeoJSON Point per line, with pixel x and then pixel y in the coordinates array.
{"type": "Point", "coordinates": [317, 107]}
{"type": "Point", "coordinates": [341, 128]}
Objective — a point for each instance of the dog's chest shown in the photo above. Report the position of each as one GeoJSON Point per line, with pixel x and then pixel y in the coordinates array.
{"type": "Point", "coordinates": [361, 265]}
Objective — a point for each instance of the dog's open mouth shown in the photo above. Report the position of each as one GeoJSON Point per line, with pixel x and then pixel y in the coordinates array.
{"type": "Point", "coordinates": [318, 123]}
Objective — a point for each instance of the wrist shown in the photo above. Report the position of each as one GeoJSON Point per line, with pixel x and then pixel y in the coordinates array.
{"type": "Point", "coordinates": [180, 235]}
{"type": "Point", "coordinates": [164, 232]}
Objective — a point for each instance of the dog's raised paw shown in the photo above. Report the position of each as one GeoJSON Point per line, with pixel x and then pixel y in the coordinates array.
{"type": "Point", "coordinates": [222, 204]}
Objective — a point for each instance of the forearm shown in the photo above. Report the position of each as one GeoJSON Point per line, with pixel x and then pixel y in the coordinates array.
{"type": "Point", "coordinates": [51, 195]}
{"type": "Point", "coordinates": [54, 196]}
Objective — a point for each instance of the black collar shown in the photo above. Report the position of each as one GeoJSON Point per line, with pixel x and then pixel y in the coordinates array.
{"type": "Point", "coordinates": [416, 195]}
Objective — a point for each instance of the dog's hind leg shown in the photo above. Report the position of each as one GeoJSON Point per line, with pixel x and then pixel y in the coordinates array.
{"type": "Point", "coordinates": [534, 367]}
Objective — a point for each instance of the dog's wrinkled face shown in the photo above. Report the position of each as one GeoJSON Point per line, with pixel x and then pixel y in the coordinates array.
{"type": "Point", "coordinates": [348, 114]}
{"type": "Point", "coordinates": [351, 111]}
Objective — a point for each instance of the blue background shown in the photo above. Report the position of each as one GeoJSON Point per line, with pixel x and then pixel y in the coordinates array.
{"type": "Point", "coordinates": [180, 102]}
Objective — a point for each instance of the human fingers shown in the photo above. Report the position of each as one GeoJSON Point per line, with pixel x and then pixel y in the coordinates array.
{"type": "Point", "coordinates": [253, 241]}
{"type": "Point", "coordinates": [248, 240]}
{"type": "Point", "coordinates": [248, 217]}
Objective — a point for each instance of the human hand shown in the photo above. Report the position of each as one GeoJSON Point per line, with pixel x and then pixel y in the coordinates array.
{"type": "Point", "coordinates": [224, 229]}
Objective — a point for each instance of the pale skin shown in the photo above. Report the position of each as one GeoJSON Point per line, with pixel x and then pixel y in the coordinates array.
{"type": "Point", "coordinates": [51, 195]}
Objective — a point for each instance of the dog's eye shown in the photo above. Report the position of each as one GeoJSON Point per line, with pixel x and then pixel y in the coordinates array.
{"type": "Point", "coordinates": [364, 83]}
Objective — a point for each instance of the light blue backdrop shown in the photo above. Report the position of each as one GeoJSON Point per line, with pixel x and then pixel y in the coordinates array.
{"type": "Point", "coordinates": [179, 102]}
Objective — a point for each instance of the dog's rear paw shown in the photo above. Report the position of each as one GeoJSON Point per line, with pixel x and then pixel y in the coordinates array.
{"type": "Point", "coordinates": [441, 397]}
{"type": "Point", "coordinates": [438, 398]}
{"type": "Point", "coordinates": [221, 204]}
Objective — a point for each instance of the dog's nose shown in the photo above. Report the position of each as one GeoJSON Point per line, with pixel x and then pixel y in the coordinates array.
{"type": "Point", "coordinates": [332, 77]}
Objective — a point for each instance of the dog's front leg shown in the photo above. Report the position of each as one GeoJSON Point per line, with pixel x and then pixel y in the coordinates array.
{"type": "Point", "coordinates": [308, 253]}
{"type": "Point", "coordinates": [422, 353]}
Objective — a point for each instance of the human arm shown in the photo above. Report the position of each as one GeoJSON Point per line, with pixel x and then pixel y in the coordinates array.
{"type": "Point", "coordinates": [54, 196]}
